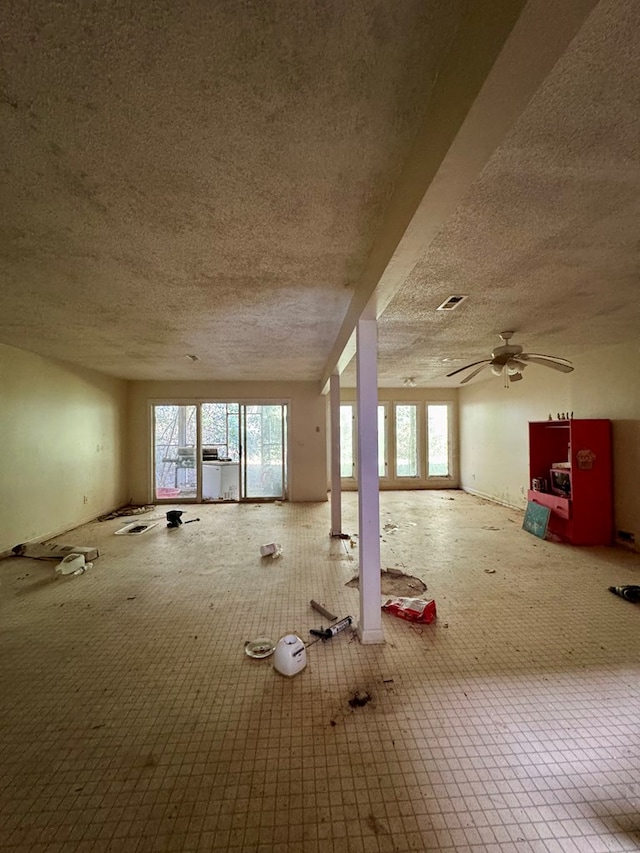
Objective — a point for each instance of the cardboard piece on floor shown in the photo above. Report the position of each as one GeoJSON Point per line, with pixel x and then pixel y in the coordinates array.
{"type": "Point", "coordinates": [55, 551]}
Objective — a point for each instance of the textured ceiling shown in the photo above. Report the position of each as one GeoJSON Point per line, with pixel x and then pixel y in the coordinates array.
{"type": "Point", "coordinates": [212, 178]}
{"type": "Point", "coordinates": [546, 240]}
{"type": "Point", "coordinates": [201, 177]}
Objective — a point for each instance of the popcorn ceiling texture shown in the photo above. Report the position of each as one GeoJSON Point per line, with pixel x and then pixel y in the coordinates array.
{"type": "Point", "coordinates": [201, 177]}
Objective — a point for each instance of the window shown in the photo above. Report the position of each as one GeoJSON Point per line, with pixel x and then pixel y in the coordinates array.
{"type": "Point", "coordinates": [382, 440]}
{"type": "Point", "coordinates": [347, 467]}
{"type": "Point", "coordinates": [438, 440]}
{"type": "Point", "coordinates": [406, 424]}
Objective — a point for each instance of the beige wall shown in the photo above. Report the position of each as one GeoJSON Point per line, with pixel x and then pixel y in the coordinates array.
{"type": "Point", "coordinates": [494, 432]}
{"type": "Point", "coordinates": [307, 442]}
{"type": "Point", "coordinates": [61, 439]}
{"type": "Point", "coordinates": [412, 395]}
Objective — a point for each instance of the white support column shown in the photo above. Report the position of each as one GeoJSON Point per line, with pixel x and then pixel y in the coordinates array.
{"type": "Point", "coordinates": [370, 625]}
{"type": "Point", "coordinates": [336, 485]}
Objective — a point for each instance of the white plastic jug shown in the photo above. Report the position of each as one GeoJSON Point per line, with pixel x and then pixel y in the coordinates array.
{"type": "Point", "coordinates": [290, 656]}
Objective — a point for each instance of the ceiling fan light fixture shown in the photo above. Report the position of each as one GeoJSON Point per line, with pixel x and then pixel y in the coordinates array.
{"type": "Point", "coordinates": [496, 369]}
{"type": "Point", "coordinates": [515, 367]}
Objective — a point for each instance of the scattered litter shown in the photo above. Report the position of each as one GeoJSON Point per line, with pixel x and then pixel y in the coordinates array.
{"type": "Point", "coordinates": [290, 656]}
{"type": "Point", "coordinates": [260, 648]}
{"type": "Point", "coordinates": [390, 528]}
{"type": "Point", "coordinates": [630, 592]}
{"type": "Point", "coordinates": [359, 699]}
{"type": "Point", "coordinates": [277, 503]}
{"type": "Point", "coordinates": [135, 528]}
{"type": "Point", "coordinates": [273, 549]}
{"type": "Point", "coordinates": [445, 625]}
{"type": "Point", "coordinates": [489, 571]}
{"type": "Point", "coordinates": [191, 520]}
{"type": "Point", "coordinates": [53, 551]}
{"type": "Point", "coordinates": [174, 518]}
{"type": "Point", "coordinates": [131, 597]}
{"type": "Point", "coordinates": [412, 609]}
{"type": "Point", "coordinates": [339, 535]}
{"type": "Point", "coordinates": [73, 564]}
{"type": "Point", "coordinates": [352, 542]}
{"type": "Point", "coordinates": [328, 633]}
{"type": "Point", "coordinates": [395, 583]}
{"type": "Point", "coordinates": [125, 511]}
{"type": "Point", "coordinates": [490, 528]}
{"type": "Point", "coordinates": [323, 610]}
{"type": "Point", "coordinates": [387, 680]}
{"type": "Point", "coordinates": [332, 723]}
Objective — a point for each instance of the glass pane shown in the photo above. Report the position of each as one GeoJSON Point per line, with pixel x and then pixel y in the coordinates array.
{"type": "Point", "coordinates": [220, 431]}
{"type": "Point", "coordinates": [175, 452]}
{"type": "Point", "coordinates": [264, 452]}
{"type": "Point", "coordinates": [382, 442]}
{"type": "Point", "coordinates": [346, 441]}
{"type": "Point", "coordinates": [406, 441]}
{"type": "Point", "coordinates": [438, 446]}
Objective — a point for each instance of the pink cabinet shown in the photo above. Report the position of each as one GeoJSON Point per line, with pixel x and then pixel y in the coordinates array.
{"type": "Point", "coordinates": [572, 459]}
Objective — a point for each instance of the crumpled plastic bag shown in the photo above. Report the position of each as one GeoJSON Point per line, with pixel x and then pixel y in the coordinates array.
{"type": "Point", "coordinates": [412, 609]}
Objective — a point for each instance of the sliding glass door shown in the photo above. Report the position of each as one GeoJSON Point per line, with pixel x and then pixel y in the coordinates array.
{"type": "Point", "coordinates": [263, 451]}
{"type": "Point", "coordinates": [175, 442]}
{"type": "Point", "coordinates": [225, 451]}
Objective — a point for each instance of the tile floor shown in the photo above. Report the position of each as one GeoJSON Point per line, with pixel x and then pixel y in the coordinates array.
{"type": "Point", "coordinates": [131, 719]}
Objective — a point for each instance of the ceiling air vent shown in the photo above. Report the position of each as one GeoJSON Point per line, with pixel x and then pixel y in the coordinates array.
{"type": "Point", "coordinates": [451, 303]}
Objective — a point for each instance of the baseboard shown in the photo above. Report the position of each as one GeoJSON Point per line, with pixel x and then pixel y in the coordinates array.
{"type": "Point", "coordinates": [44, 537]}
{"type": "Point", "coordinates": [491, 498]}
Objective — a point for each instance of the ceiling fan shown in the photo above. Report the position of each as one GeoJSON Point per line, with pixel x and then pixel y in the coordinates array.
{"type": "Point", "coordinates": [509, 361]}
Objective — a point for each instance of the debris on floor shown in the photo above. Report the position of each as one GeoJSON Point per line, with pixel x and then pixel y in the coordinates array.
{"type": "Point", "coordinates": [135, 528]}
{"type": "Point", "coordinates": [332, 630]}
{"type": "Point", "coordinates": [394, 582]}
{"type": "Point", "coordinates": [125, 511]}
{"type": "Point", "coordinates": [174, 518]}
{"type": "Point", "coordinates": [390, 528]}
{"type": "Point", "coordinates": [359, 699]}
{"type": "Point", "coordinates": [261, 647]}
{"type": "Point", "coordinates": [411, 609]}
{"type": "Point", "coordinates": [489, 571]}
{"type": "Point", "coordinates": [272, 549]}
{"type": "Point", "coordinates": [339, 535]}
{"type": "Point", "coordinates": [73, 564]}
{"type": "Point", "coordinates": [323, 611]}
{"type": "Point", "coordinates": [54, 551]}
{"type": "Point", "coordinates": [290, 656]}
{"type": "Point", "coordinates": [630, 592]}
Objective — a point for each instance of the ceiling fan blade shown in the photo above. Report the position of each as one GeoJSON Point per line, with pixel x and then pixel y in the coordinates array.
{"type": "Point", "coordinates": [467, 366]}
{"type": "Point", "coordinates": [475, 372]}
{"type": "Point", "coordinates": [526, 355]}
{"type": "Point", "coordinates": [556, 365]}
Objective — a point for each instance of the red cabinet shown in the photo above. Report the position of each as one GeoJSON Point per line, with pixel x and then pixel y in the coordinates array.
{"type": "Point", "coordinates": [582, 448]}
